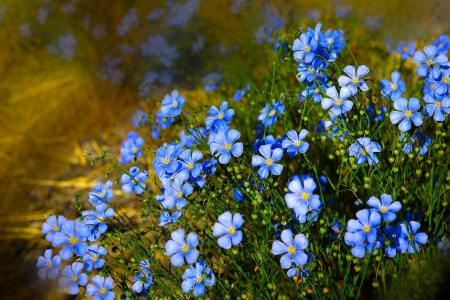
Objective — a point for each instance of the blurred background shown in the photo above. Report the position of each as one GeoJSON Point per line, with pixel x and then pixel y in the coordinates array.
{"type": "Point", "coordinates": [74, 72]}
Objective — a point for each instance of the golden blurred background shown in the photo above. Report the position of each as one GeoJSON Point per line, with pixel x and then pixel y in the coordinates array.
{"type": "Point", "coordinates": [53, 110]}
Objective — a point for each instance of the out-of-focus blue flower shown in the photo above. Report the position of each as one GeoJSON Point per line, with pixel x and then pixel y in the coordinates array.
{"type": "Point", "coordinates": [52, 225]}
{"type": "Point", "coordinates": [47, 264]}
{"type": "Point", "coordinates": [241, 92]}
{"type": "Point", "coordinates": [364, 150]}
{"type": "Point", "coordinates": [128, 21]}
{"type": "Point", "coordinates": [295, 142]}
{"type": "Point", "coordinates": [134, 181]}
{"type": "Point", "coordinates": [267, 162]}
{"type": "Point", "coordinates": [212, 81]}
{"type": "Point", "coordinates": [172, 104]}
{"type": "Point", "coordinates": [395, 88]}
{"type": "Point", "coordinates": [196, 278]}
{"type": "Point", "coordinates": [337, 102]}
{"type": "Point", "coordinates": [353, 80]}
{"type": "Point", "coordinates": [101, 288]}
{"type": "Point", "coordinates": [99, 31]}
{"type": "Point", "coordinates": [73, 237]}
{"type": "Point", "coordinates": [406, 50]}
{"type": "Point", "coordinates": [155, 14]}
{"type": "Point", "coordinates": [291, 248]}
{"type": "Point", "coordinates": [66, 45]}
{"type": "Point", "coordinates": [92, 259]}
{"type": "Point", "coordinates": [373, 23]}
{"type": "Point", "coordinates": [443, 245]}
{"type": "Point", "coordinates": [386, 207]}
{"type": "Point", "coordinates": [430, 63]}
{"type": "Point", "coordinates": [180, 248]}
{"type": "Point", "coordinates": [376, 115]}
{"type": "Point", "coordinates": [343, 11]}
{"type": "Point", "coordinates": [42, 14]}
{"type": "Point", "coordinates": [222, 115]}
{"type": "Point", "coordinates": [237, 5]}
{"type": "Point", "coordinates": [178, 14]}
{"type": "Point", "coordinates": [131, 148]}
{"type": "Point", "coordinates": [408, 237]}
{"type": "Point", "coordinates": [148, 81]}
{"type": "Point", "coordinates": [68, 8]}
{"type": "Point", "coordinates": [71, 277]}
{"type": "Point", "coordinates": [110, 69]}
{"type": "Point", "coordinates": [407, 111]}
{"type": "Point", "coordinates": [223, 144]}
{"type": "Point", "coordinates": [199, 44]}
{"type": "Point", "coordinates": [270, 112]}
{"type": "Point", "coordinates": [139, 118]}
{"type": "Point", "coordinates": [359, 230]}
{"type": "Point", "coordinates": [442, 44]}
{"type": "Point", "coordinates": [227, 229]}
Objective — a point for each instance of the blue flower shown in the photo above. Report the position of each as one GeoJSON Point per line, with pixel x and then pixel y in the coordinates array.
{"type": "Point", "coordinates": [429, 62]}
{"type": "Point", "coordinates": [175, 193]}
{"type": "Point", "coordinates": [364, 150]}
{"type": "Point", "coordinates": [172, 104]}
{"type": "Point", "coordinates": [52, 225]}
{"type": "Point", "coordinates": [443, 84]}
{"type": "Point", "coordinates": [304, 48]}
{"type": "Point", "coordinates": [179, 248]}
{"type": "Point", "coordinates": [71, 277]}
{"type": "Point", "coordinates": [102, 193]}
{"type": "Point", "coordinates": [133, 181]}
{"type": "Point", "coordinates": [223, 144]}
{"type": "Point", "coordinates": [66, 44]}
{"type": "Point", "coordinates": [48, 264]}
{"type": "Point", "coordinates": [101, 288]}
{"type": "Point", "coordinates": [338, 103]}
{"type": "Point", "coordinates": [405, 50]}
{"type": "Point", "coordinates": [395, 88]}
{"type": "Point", "coordinates": [417, 139]}
{"type": "Point", "coordinates": [386, 208]}
{"type": "Point", "coordinates": [196, 278]}
{"type": "Point", "coordinates": [131, 148]}
{"type": "Point", "coordinates": [353, 80]}
{"type": "Point", "coordinates": [165, 218]}
{"type": "Point", "coordinates": [301, 197]}
{"type": "Point", "coordinates": [212, 81]}
{"type": "Point", "coordinates": [241, 92]}
{"type": "Point", "coordinates": [295, 143]}
{"type": "Point", "coordinates": [97, 218]}
{"type": "Point", "coordinates": [128, 21]}
{"type": "Point", "coordinates": [73, 236]}
{"type": "Point", "coordinates": [189, 161]}
{"type": "Point", "coordinates": [143, 281]}
{"type": "Point", "coordinates": [164, 161]}
{"type": "Point", "coordinates": [408, 237]}
{"type": "Point", "coordinates": [266, 162]}
{"type": "Point", "coordinates": [227, 229]}
{"type": "Point", "coordinates": [407, 112]}
{"type": "Point", "coordinates": [216, 115]}
{"type": "Point", "coordinates": [291, 248]}
{"type": "Point", "coordinates": [92, 258]}
{"type": "Point", "coordinates": [359, 230]}
{"type": "Point", "coordinates": [437, 106]}
{"type": "Point", "coordinates": [391, 233]}
{"type": "Point", "coordinates": [270, 112]}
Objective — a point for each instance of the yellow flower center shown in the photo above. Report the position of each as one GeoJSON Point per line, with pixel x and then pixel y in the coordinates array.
{"type": "Point", "coordinates": [307, 48]}
{"type": "Point", "coordinates": [394, 87]}
{"type": "Point", "coordinates": [311, 71]}
{"type": "Point", "coordinates": [190, 165]}
{"type": "Point", "coordinates": [355, 80]}
{"type": "Point", "coordinates": [338, 102]}
{"type": "Point", "coordinates": [408, 114]}
{"type": "Point", "coordinates": [446, 80]}
{"type": "Point", "coordinates": [179, 194]}
{"type": "Point", "coordinates": [94, 258]}
{"type": "Point", "coordinates": [166, 161]}
{"type": "Point", "coordinates": [228, 147]}
{"type": "Point", "coordinates": [364, 152]}
{"type": "Point", "coordinates": [297, 143]}
{"type": "Point", "coordinates": [317, 90]}
{"type": "Point", "coordinates": [330, 41]}
{"type": "Point", "coordinates": [199, 279]}
{"type": "Point", "coordinates": [73, 240]}
{"type": "Point", "coordinates": [102, 291]}
{"type": "Point", "coordinates": [75, 278]}
{"type": "Point", "coordinates": [185, 248]}
{"type": "Point", "coordinates": [220, 116]}
{"type": "Point", "coordinates": [50, 264]}
{"type": "Point", "coordinates": [272, 112]}
{"type": "Point", "coordinates": [429, 62]}
{"type": "Point", "coordinates": [438, 103]}
{"type": "Point", "coordinates": [134, 149]}
{"type": "Point", "coordinates": [366, 228]}
{"type": "Point", "coordinates": [175, 104]}
{"type": "Point", "coordinates": [269, 162]}
{"type": "Point", "coordinates": [56, 229]}
{"type": "Point", "coordinates": [102, 195]}
{"type": "Point", "coordinates": [291, 250]}
{"type": "Point", "coordinates": [101, 219]}
{"type": "Point", "coordinates": [383, 209]}
{"type": "Point", "coordinates": [305, 196]}
{"type": "Point", "coordinates": [231, 230]}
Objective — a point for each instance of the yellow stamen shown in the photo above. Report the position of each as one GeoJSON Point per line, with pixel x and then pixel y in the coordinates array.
{"type": "Point", "coordinates": [429, 62]}
{"type": "Point", "coordinates": [383, 209]}
{"type": "Point", "coordinates": [228, 147]}
{"type": "Point", "coordinates": [220, 116]}
{"type": "Point", "coordinates": [73, 240]}
{"type": "Point", "coordinates": [408, 114]}
{"type": "Point", "coordinates": [305, 196]}
{"type": "Point", "coordinates": [134, 149]}
{"type": "Point", "coordinates": [366, 228]}
{"type": "Point", "coordinates": [175, 104]}
{"type": "Point", "coordinates": [199, 279]}
{"type": "Point", "coordinates": [438, 103]}
{"type": "Point", "coordinates": [291, 250]}
{"type": "Point", "coordinates": [355, 80]}
{"type": "Point", "coordinates": [307, 48]}
{"type": "Point", "coordinates": [338, 102]}
{"type": "Point", "coordinates": [269, 162]}
{"type": "Point", "coordinates": [297, 143]}
{"type": "Point", "coordinates": [446, 80]}
{"type": "Point", "coordinates": [394, 87]}
{"type": "Point", "coordinates": [231, 230]}
{"type": "Point", "coordinates": [179, 194]}
{"type": "Point", "coordinates": [166, 161]}
{"type": "Point", "coordinates": [185, 248]}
